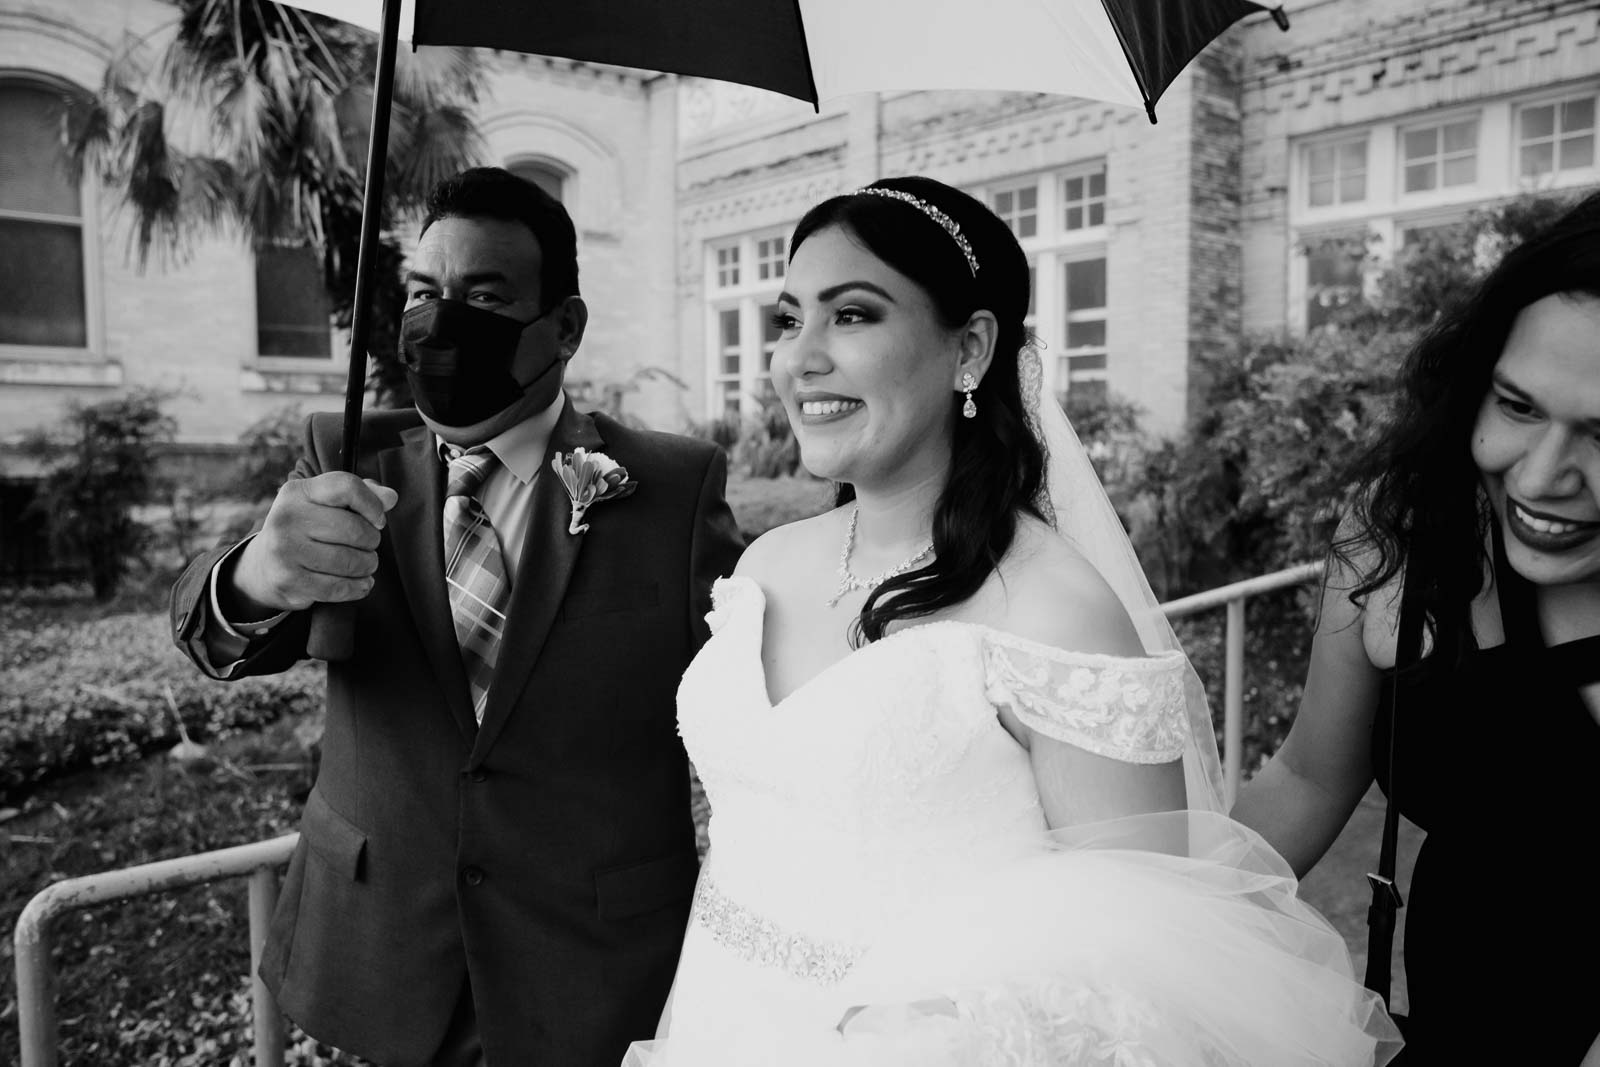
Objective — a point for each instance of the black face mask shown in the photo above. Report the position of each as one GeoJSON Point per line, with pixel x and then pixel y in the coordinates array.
{"type": "Point", "coordinates": [458, 359]}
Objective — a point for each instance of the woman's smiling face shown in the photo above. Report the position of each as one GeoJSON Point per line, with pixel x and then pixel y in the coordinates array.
{"type": "Point", "coordinates": [1537, 441]}
{"type": "Point", "coordinates": [864, 367]}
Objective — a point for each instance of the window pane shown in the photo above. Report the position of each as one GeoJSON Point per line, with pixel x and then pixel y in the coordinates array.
{"type": "Point", "coordinates": [1577, 152]}
{"type": "Point", "coordinates": [769, 329]}
{"type": "Point", "coordinates": [41, 274]}
{"type": "Point", "coordinates": [547, 178]}
{"type": "Point", "coordinates": [730, 328]}
{"type": "Point", "coordinates": [1352, 187]}
{"type": "Point", "coordinates": [1002, 203]}
{"type": "Point", "coordinates": [1419, 177]}
{"type": "Point", "coordinates": [1538, 121]}
{"type": "Point", "coordinates": [1421, 143]}
{"type": "Point", "coordinates": [1097, 183]}
{"type": "Point", "coordinates": [1321, 192]}
{"type": "Point", "coordinates": [1333, 279]}
{"type": "Point", "coordinates": [1027, 199]}
{"type": "Point", "coordinates": [1461, 136]}
{"type": "Point", "coordinates": [1577, 115]}
{"type": "Point", "coordinates": [1086, 334]}
{"type": "Point", "coordinates": [292, 306]}
{"type": "Point", "coordinates": [1078, 364]}
{"type": "Point", "coordinates": [32, 174]}
{"type": "Point", "coordinates": [1353, 156]}
{"type": "Point", "coordinates": [1538, 159]}
{"type": "Point", "coordinates": [1027, 225]}
{"type": "Point", "coordinates": [1097, 213]}
{"type": "Point", "coordinates": [1462, 171]}
{"type": "Point", "coordinates": [1074, 188]}
{"type": "Point", "coordinates": [1074, 218]}
{"type": "Point", "coordinates": [1086, 284]}
{"type": "Point", "coordinates": [1319, 161]}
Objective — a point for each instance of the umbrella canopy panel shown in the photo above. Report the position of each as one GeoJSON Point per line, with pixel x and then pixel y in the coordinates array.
{"type": "Point", "coordinates": [1122, 51]}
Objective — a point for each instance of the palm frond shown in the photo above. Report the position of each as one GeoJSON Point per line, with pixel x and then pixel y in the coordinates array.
{"type": "Point", "coordinates": [427, 147]}
{"type": "Point", "coordinates": [429, 78]}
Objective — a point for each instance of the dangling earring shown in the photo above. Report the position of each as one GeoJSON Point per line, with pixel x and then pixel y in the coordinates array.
{"type": "Point", "coordinates": [968, 384]}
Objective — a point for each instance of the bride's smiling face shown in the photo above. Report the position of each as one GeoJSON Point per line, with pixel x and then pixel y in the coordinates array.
{"type": "Point", "coordinates": [863, 365]}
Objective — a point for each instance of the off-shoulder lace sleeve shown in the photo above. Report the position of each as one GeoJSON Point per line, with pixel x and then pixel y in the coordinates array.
{"type": "Point", "coordinates": [1126, 708]}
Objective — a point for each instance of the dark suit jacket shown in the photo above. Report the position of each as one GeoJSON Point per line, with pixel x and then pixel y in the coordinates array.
{"type": "Point", "coordinates": [549, 854]}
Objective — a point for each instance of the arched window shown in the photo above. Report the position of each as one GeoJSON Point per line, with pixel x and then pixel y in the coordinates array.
{"type": "Point", "coordinates": [551, 179]}
{"type": "Point", "coordinates": [41, 225]}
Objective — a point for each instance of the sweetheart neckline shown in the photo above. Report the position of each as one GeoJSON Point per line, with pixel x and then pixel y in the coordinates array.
{"type": "Point", "coordinates": [1014, 640]}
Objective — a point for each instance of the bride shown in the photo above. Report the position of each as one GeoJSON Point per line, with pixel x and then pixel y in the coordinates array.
{"type": "Point", "coordinates": [965, 794]}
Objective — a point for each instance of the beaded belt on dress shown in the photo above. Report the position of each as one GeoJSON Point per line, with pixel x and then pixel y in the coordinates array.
{"type": "Point", "coordinates": [761, 941]}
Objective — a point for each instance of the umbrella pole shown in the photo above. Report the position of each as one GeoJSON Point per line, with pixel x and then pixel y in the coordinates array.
{"type": "Point", "coordinates": [332, 635]}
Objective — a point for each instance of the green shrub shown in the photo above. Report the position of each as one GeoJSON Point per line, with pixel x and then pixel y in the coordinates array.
{"type": "Point", "coordinates": [270, 447]}
{"type": "Point", "coordinates": [105, 691]}
{"type": "Point", "coordinates": [102, 462]}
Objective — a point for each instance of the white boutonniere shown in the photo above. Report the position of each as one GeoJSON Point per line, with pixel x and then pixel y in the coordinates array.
{"type": "Point", "coordinates": [589, 478]}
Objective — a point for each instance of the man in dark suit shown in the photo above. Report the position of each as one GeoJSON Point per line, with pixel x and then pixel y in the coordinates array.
{"type": "Point", "coordinates": [497, 859]}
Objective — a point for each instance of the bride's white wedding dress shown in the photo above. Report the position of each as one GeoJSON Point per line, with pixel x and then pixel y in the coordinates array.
{"type": "Point", "coordinates": [877, 840]}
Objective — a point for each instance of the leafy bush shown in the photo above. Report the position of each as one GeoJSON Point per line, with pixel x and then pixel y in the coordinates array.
{"type": "Point", "coordinates": [102, 464]}
{"type": "Point", "coordinates": [767, 447]}
{"type": "Point", "coordinates": [271, 446]}
{"type": "Point", "coordinates": [88, 694]}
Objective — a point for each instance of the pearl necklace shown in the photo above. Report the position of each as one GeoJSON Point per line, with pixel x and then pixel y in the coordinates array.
{"type": "Point", "coordinates": [849, 582]}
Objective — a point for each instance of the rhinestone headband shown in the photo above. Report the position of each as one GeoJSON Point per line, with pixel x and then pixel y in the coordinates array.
{"type": "Point", "coordinates": [949, 224]}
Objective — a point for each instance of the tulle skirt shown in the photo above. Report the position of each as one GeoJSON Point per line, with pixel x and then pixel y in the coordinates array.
{"type": "Point", "coordinates": [1158, 941]}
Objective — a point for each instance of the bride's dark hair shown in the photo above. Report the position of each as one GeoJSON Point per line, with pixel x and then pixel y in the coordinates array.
{"type": "Point", "coordinates": [996, 463]}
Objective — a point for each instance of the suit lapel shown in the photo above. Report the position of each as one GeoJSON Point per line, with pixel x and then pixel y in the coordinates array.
{"type": "Point", "coordinates": [416, 530]}
{"type": "Point", "coordinates": [549, 554]}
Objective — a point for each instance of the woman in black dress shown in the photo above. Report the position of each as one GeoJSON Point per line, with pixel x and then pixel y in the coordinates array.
{"type": "Point", "coordinates": [1480, 509]}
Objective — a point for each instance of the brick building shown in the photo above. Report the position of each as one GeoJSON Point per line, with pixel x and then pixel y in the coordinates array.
{"type": "Point", "coordinates": [1152, 245]}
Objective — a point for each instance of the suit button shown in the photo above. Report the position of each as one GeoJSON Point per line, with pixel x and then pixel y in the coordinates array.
{"type": "Point", "coordinates": [473, 875]}
{"type": "Point", "coordinates": [477, 774]}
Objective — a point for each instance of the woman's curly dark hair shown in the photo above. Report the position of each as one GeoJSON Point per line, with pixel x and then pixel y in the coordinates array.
{"type": "Point", "coordinates": [997, 465]}
{"type": "Point", "coordinates": [1418, 491]}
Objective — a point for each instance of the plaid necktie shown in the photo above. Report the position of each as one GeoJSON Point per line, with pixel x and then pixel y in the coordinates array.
{"type": "Point", "coordinates": [474, 572]}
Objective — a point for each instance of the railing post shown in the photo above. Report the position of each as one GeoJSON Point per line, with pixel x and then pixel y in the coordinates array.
{"type": "Point", "coordinates": [1233, 703]}
{"type": "Point", "coordinates": [36, 999]}
{"type": "Point", "coordinates": [268, 1024]}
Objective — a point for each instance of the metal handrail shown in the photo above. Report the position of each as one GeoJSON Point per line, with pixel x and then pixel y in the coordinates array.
{"type": "Point", "coordinates": [36, 1007]}
{"type": "Point", "coordinates": [1233, 597]}
{"type": "Point", "coordinates": [36, 1002]}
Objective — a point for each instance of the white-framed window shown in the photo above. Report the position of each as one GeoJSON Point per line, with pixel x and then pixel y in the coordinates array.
{"type": "Point", "coordinates": [1083, 311]}
{"type": "Point", "coordinates": [1336, 172]}
{"type": "Point", "coordinates": [771, 258]}
{"type": "Point", "coordinates": [1083, 199]}
{"type": "Point", "coordinates": [1556, 136]}
{"type": "Point", "coordinates": [547, 176]}
{"type": "Point", "coordinates": [744, 275]}
{"type": "Point", "coordinates": [1018, 208]}
{"type": "Point", "coordinates": [1060, 217]}
{"type": "Point", "coordinates": [729, 379]}
{"type": "Point", "coordinates": [47, 235]}
{"type": "Point", "coordinates": [1335, 273]}
{"type": "Point", "coordinates": [1423, 171]}
{"type": "Point", "coordinates": [727, 275]}
{"type": "Point", "coordinates": [1439, 155]}
{"type": "Point", "coordinates": [294, 314]}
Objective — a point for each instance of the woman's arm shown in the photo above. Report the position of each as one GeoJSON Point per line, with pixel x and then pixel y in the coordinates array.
{"type": "Point", "coordinates": [1068, 605]}
{"type": "Point", "coordinates": [1302, 798]}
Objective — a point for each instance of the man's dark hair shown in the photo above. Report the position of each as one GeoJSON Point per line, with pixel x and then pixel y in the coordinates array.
{"type": "Point", "coordinates": [493, 193]}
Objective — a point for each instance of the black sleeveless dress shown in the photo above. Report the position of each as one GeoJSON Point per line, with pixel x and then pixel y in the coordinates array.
{"type": "Point", "coordinates": [1498, 760]}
